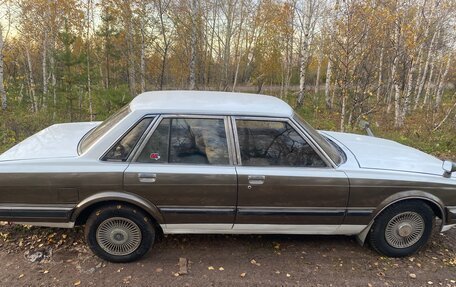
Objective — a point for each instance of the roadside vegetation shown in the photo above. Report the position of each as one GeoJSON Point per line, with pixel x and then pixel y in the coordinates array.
{"type": "Point", "coordinates": [387, 62]}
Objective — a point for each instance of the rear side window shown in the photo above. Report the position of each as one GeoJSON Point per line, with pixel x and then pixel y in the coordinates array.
{"type": "Point", "coordinates": [187, 141]}
{"type": "Point", "coordinates": [123, 148]}
{"type": "Point", "coordinates": [274, 143]}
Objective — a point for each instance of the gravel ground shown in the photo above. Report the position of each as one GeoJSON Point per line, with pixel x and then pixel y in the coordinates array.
{"type": "Point", "coordinates": [32, 256]}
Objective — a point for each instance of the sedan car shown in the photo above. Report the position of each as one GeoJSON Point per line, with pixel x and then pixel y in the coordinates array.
{"type": "Point", "coordinates": [212, 162]}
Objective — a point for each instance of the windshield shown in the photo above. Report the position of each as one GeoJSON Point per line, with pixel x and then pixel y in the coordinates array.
{"type": "Point", "coordinates": [330, 150]}
{"type": "Point", "coordinates": [93, 135]}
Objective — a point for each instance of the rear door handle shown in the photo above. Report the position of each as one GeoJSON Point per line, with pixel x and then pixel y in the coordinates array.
{"type": "Point", "coordinates": [147, 177]}
{"type": "Point", "coordinates": [256, 179]}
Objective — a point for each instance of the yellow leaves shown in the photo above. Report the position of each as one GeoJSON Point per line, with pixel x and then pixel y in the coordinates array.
{"type": "Point", "coordinates": [77, 283]}
{"type": "Point", "coordinates": [20, 276]}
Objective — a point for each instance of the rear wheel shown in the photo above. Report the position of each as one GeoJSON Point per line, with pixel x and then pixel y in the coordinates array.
{"type": "Point", "coordinates": [402, 229]}
{"type": "Point", "coordinates": [119, 233]}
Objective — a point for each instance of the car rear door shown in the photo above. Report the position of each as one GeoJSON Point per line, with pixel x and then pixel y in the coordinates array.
{"type": "Point", "coordinates": [285, 185]}
{"type": "Point", "coordinates": [185, 167]}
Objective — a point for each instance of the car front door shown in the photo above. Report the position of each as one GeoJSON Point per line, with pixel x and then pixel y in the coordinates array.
{"type": "Point", "coordinates": [285, 185]}
{"type": "Point", "coordinates": [185, 167]}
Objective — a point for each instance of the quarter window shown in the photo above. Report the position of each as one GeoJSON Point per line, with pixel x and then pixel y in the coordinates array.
{"type": "Point", "coordinates": [187, 141]}
{"type": "Point", "coordinates": [274, 143]}
{"type": "Point", "coordinates": [123, 148]}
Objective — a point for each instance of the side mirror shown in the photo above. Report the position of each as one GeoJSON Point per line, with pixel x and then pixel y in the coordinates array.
{"type": "Point", "coordinates": [449, 167]}
{"type": "Point", "coordinates": [366, 126]}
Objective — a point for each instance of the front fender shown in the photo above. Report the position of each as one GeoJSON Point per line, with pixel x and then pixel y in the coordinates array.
{"type": "Point", "coordinates": [401, 196]}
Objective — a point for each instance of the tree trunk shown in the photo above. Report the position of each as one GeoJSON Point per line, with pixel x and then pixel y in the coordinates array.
{"type": "Point", "coordinates": [398, 121]}
{"type": "Point", "coordinates": [130, 51]}
{"type": "Point", "coordinates": [317, 81]}
{"type": "Point", "coordinates": [380, 75]}
{"type": "Point", "coordinates": [193, 43]}
{"type": "Point", "coordinates": [143, 50]}
{"type": "Point", "coordinates": [2, 87]}
{"type": "Point", "coordinates": [439, 93]}
{"type": "Point", "coordinates": [328, 99]}
{"type": "Point", "coordinates": [425, 70]}
{"type": "Point", "coordinates": [44, 68]}
{"type": "Point", "coordinates": [89, 83]}
{"type": "Point", "coordinates": [428, 84]}
{"type": "Point", "coordinates": [227, 47]}
{"type": "Point", "coordinates": [408, 94]}
{"type": "Point", "coordinates": [31, 81]}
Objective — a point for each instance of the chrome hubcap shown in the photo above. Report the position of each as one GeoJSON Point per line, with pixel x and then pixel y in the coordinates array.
{"type": "Point", "coordinates": [404, 229]}
{"type": "Point", "coordinates": [118, 236]}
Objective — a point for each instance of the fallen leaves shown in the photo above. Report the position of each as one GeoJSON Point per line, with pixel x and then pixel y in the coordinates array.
{"type": "Point", "coordinates": [20, 276]}
{"type": "Point", "coordinates": [183, 266]}
{"type": "Point", "coordinates": [243, 274]}
{"type": "Point", "coordinates": [77, 283]}
{"type": "Point", "coordinates": [253, 261]}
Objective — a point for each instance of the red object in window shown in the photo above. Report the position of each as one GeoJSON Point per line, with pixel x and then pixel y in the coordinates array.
{"type": "Point", "coordinates": [155, 156]}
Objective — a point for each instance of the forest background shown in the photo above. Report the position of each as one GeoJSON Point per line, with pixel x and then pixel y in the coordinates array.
{"type": "Point", "coordinates": [388, 62]}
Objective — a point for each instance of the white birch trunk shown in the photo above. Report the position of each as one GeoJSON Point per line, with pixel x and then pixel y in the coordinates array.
{"type": "Point", "coordinates": [31, 81]}
{"type": "Point", "coordinates": [2, 87]}
{"type": "Point", "coordinates": [130, 52]}
{"type": "Point", "coordinates": [425, 70]}
{"type": "Point", "coordinates": [428, 85]}
{"type": "Point", "coordinates": [143, 50]}
{"type": "Point", "coordinates": [398, 120]}
{"type": "Point", "coordinates": [439, 93]}
{"type": "Point", "coordinates": [408, 94]}
{"type": "Point", "coordinates": [192, 64]}
{"type": "Point", "coordinates": [380, 75]}
{"type": "Point", "coordinates": [89, 80]}
{"type": "Point", "coordinates": [317, 80]}
{"type": "Point", "coordinates": [44, 68]}
{"type": "Point", "coordinates": [328, 98]}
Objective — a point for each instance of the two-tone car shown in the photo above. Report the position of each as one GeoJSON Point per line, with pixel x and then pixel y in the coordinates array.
{"type": "Point", "coordinates": [212, 162]}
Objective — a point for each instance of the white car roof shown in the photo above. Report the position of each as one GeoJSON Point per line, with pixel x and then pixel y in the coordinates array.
{"type": "Point", "coordinates": [210, 103]}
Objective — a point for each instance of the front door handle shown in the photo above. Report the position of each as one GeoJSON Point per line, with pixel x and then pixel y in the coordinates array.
{"type": "Point", "coordinates": [256, 179]}
{"type": "Point", "coordinates": [147, 177]}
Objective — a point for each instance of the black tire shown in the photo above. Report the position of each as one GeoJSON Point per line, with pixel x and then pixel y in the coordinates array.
{"type": "Point", "coordinates": [413, 208]}
{"type": "Point", "coordinates": [137, 231]}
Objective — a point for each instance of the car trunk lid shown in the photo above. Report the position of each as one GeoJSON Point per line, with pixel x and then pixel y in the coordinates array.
{"type": "Point", "coordinates": [56, 141]}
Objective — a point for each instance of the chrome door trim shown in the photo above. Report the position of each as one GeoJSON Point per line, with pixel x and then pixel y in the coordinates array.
{"type": "Point", "coordinates": [262, 229]}
{"type": "Point", "coordinates": [48, 224]}
{"type": "Point", "coordinates": [287, 211]}
{"type": "Point", "coordinates": [329, 163]}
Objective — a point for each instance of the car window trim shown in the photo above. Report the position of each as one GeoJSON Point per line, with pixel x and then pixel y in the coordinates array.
{"type": "Point", "coordinates": [320, 153]}
{"type": "Point", "coordinates": [229, 139]}
{"type": "Point", "coordinates": [102, 158]}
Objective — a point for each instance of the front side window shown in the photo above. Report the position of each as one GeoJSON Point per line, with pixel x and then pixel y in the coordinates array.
{"type": "Point", "coordinates": [187, 141]}
{"type": "Point", "coordinates": [123, 147]}
{"type": "Point", "coordinates": [274, 143]}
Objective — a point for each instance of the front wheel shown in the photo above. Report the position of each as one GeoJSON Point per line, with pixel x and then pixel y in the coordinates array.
{"type": "Point", "coordinates": [402, 229]}
{"type": "Point", "coordinates": [119, 233]}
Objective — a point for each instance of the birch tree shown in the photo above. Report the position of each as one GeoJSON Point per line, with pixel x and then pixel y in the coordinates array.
{"type": "Point", "coordinates": [2, 86]}
{"type": "Point", "coordinates": [308, 17]}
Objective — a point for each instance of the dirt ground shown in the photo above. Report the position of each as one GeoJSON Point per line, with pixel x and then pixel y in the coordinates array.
{"type": "Point", "coordinates": [32, 256]}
